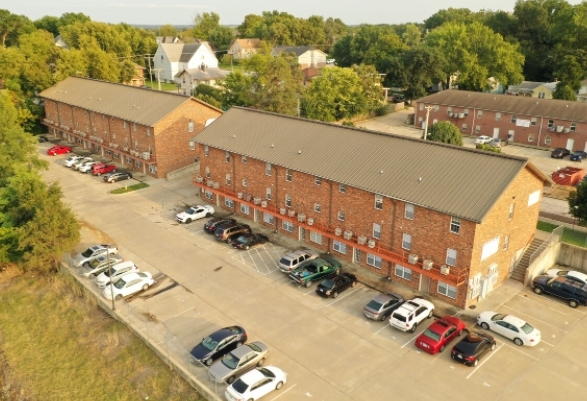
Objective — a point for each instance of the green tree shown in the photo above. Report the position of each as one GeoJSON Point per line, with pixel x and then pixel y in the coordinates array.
{"type": "Point", "coordinates": [251, 26]}
{"type": "Point", "coordinates": [237, 90]}
{"type": "Point", "coordinates": [49, 24]}
{"type": "Point", "coordinates": [441, 17]}
{"type": "Point", "coordinates": [445, 132]}
{"type": "Point", "coordinates": [204, 24]}
{"type": "Point", "coordinates": [371, 83]}
{"type": "Point", "coordinates": [570, 74]}
{"type": "Point", "coordinates": [209, 94]}
{"type": "Point", "coordinates": [12, 26]}
{"type": "Point", "coordinates": [564, 92]}
{"type": "Point", "coordinates": [412, 37]}
{"type": "Point", "coordinates": [578, 203]}
{"type": "Point", "coordinates": [167, 30]}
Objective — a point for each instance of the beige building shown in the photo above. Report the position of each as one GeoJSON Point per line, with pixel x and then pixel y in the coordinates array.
{"type": "Point", "coordinates": [244, 48]}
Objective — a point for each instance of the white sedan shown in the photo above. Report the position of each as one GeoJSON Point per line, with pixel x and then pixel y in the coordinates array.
{"type": "Point", "coordinates": [255, 384]}
{"type": "Point", "coordinates": [92, 253]}
{"type": "Point", "coordinates": [575, 275]}
{"type": "Point", "coordinates": [115, 272]}
{"type": "Point", "coordinates": [514, 328]}
{"type": "Point", "coordinates": [87, 167]}
{"type": "Point", "coordinates": [483, 139]}
{"type": "Point", "coordinates": [129, 284]}
{"type": "Point", "coordinates": [194, 213]}
{"type": "Point", "coordinates": [70, 161]}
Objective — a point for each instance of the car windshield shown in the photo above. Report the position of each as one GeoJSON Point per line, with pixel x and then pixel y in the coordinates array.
{"type": "Point", "coordinates": [466, 347]}
{"type": "Point", "coordinates": [87, 253]}
{"type": "Point", "coordinates": [209, 343]}
{"type": "Point", "coordinates": [119, 283]}
{"type": "Point", "coordinates": [375, 305]}
{"type": "Point", "coordinates": [328, 283]}
{"type": "Point", "coordinates": [526, 328]}
{"type": "Point", "coordinates": [497, 317]}
{"type": "Point", "coordinates": [240, 386]}
{"type": "Point", "coordinates": [254, 347]}
{"type": "Point", "coordinates": [242, 239]}
{"type": "Point", "coordinates": [94, 263]}
{"type": "Point", "coordinates": [266, 372]}
{"type": "Point", "coordinates": [230, 361]}
{"type": "Point", "coordinates": [432, 335]}
{"type": "Point", "coordinates": [190, 211]}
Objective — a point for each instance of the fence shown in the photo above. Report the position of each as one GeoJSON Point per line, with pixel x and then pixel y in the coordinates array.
{"type": "Point", "coordinates": [554, 238]}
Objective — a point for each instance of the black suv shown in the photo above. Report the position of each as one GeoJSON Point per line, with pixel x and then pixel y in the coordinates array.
{"type": "Point", "coordinates": [217, 222]}
{"type": "Point", "coordinates": [572, 291]}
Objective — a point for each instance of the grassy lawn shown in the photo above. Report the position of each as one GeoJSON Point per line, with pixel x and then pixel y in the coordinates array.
{"type": "Point", "coordinates": [129, 188]}
{"type": "Point", "coordinates": [165, 86]}
{"type": "Point", "coordinates": [570, 236]}
{"type": "Point", "coordinates": [60, 346]}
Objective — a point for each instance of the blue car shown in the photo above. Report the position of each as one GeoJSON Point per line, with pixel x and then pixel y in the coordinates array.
{"type": "Point", "coordinates": [578, 155]}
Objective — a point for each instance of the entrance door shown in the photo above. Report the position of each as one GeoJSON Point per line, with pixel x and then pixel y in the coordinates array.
{"type": "Point", "coordinates": [256, 216]}
{"type": "Point", "coordinates": [424, 283]}
{"type": "Point", "coordinates": [511, 136]}
{"type": "Point", "coordinates": [570, 143]}
{"type": "Point", "coordinates": [302, 234]}
{"type": "Point", "coordinates": [496, 132]}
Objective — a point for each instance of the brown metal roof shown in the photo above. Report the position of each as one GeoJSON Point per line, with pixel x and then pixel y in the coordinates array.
{"type": "Point", "coordinates": [140, 105]}
{"type": "Point", "coordinates": [548, 108]}
{"type": "Point", "coordinates": [457, 181]}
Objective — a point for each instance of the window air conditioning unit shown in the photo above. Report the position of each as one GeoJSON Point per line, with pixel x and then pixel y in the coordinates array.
{"type": "Point", "coordinates": [567, 130]}
{"type": "Point", "coordinates": [348, 234]}
{"type": "Point", "coordinates": [264, 203]}
{"type": "Point", "coordinates": [291, 212]}
{"type": "Point", "coordinates": [301, 217]}
{"type": "Point", "coordinates": [257, 201]}
{"type": "Point", "coordinates": [444, 269]}
{"type": "Point", "coordinates": [560, 128]}
{"type": "Point", "coordinates": [338, 232]}
{"type": "Point", "coordinates": [362, 240]}
{"type": "Point", "coordinates": [199, 179]}
{"type": "Point", "coordinates": [310, 221]}
{"type": "Point", "coordinates": [215, 184]}
{"type": "Point", "coordinates": [413, 259]}
{"type": "Point", "coordinates": [450, 113]}
{"type": "Point", "coordinates": [146, 155]}
{"type": "Point", "coordinates": [371, 243]}
{"type": "Point", "coordinates": [551, 128]}
{"type": "Point", "coordinates": [427, 264]}
{"type": "Point", "coordinates": [239, 195]}
{"type": "Point", "coordinates": [281, 210]}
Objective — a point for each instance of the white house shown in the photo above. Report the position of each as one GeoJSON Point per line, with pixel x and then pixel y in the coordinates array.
{"type": "Point", "coordinates": [307, 56]}
{"type": "Point", "coordinates": [187, 80]}
{"type": "Point", "coordinates": [582, 94]}
{"type": "Point", "coordinates": [171, 58]}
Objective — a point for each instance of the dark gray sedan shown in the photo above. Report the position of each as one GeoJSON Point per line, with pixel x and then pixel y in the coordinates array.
{"type": "Point", "coordinates": [381, 307]}
{"type": "Point", "coordinates": [240, 360]}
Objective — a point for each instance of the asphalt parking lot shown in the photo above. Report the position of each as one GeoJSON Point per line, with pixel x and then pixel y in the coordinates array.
{"type": "Point", "coordinates": [329, 350]}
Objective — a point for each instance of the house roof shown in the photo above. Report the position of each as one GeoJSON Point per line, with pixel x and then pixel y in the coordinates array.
{"type": "Point", "coordinates": [209, 73]}
{"type": "Point", "coordinates": [251, 43]}
{"type": "Point", "coordinates": [167, 39]}
{"type": "Point", "coordinates": [457, 181]}
{"type": "Point", "coordinates": [140, 105]}
{"type": "Point", "coordinates": [172, 50]}
{"type": "Point", "coordinates": [297, 50]}
{"type": "Point", "coordinates": [548, 108]}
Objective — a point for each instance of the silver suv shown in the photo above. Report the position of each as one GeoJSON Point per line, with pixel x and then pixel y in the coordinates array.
{"type": "Point", "coordinates": [294, 259]}
{"type": "Point", "coordinates": [98, 265]}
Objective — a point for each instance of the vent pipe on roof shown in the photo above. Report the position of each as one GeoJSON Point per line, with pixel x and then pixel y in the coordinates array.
{"type": "Point", "coordinates": [381, 172]}
{"type": "Point", "coordinates": [272, 145]}
{"type": "Point", "coordinates": [420, 179]}
{"type": "Point", "coordinates": [299, 152]}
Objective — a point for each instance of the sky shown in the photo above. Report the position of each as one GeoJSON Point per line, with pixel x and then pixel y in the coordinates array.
{"type": "Point", "coordinates": [232, 12]}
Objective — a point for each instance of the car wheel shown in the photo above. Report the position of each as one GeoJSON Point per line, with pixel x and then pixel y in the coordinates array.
{"type": "Point", "coordinates": [573, 303]}
{"type": "Point", "coordinates": [413, 329]}
{"type": "Point", "coordinates": [537, 290]}
{"type": "Point", "coordinates": [230, 380]}
{"type": "Point", "coordinates": [279, 386]}
{"type": "Point", "coordinates": [430, 314]}
{"type": "Point", "coordinates": [518, 341]}
{"type": "Point", "coordinates": [353, 284]}
{"type": "Point", "coordinates": [308, 284]}
{"type": "Point", "coordinates": [99, 174]}
{"type": "Point", "coordinates": [247, 248]}
{"type": "Point", "coordinates": [383, 317]}
{"type": "Point", "coordinates": [492, 347]}
{"type": "Point", "coordinates": [208, 362]}
{"type": "Point", "coordinates": [261, 362]}
{"type": "Point", "coordinates": [145, 287]}
{"type": "Point", "coordinates": [128, 177]}
{"type": "Point", "coordinates": [208, 214]}
{"type": "Point", "coordinates": [334, 294]}
{"type": "Point", "coordinates": [188, 221]}
{"type": "Point", "coordinates": [228, 241]}
{"type": "Point", "coordinates": [476, 363]}
{"type": "Point", "coordinates": [484, 326]}
{"type": "Point", "coordinates": [442, 348]}
{"type": "Point", "coordinates": [118, 297]}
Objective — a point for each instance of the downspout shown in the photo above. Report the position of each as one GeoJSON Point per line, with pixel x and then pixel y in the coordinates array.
{"type": "Point", "coordinates": [540, 130]}
{"type": "Point", "coordinates": [329, 215]}
{"type": "Point", "coordinates": [473, 124]}
{"type": "Point", "coordinates": [392, 235]}
{"type": "Point", "coordinates": [276, 199]}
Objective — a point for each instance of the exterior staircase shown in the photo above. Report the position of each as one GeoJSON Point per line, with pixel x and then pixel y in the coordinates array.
{"type": "Point", "coordinates": [520, 271]}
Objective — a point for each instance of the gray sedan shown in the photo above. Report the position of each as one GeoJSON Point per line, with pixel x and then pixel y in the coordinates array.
{"type": "Point", "coordinates": [241, 360]}
{"type": "Point", "coordinates": [381, 307]}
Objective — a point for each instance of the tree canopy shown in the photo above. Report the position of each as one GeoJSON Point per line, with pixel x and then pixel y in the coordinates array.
{"type": "Point", "coordinates": [445, 132]}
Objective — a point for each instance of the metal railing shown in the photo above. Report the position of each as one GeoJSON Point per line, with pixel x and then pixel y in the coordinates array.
{"type": "Point", "coordinates": [554, 238]}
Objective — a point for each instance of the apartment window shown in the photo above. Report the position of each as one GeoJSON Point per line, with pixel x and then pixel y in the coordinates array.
{"type": "Point", "coordinates": [451, 257]}
{"type": "Point", "coordinates": [479, 113]}
{"type": "Point", "coordinates": [316, 237]}
{"type": "Point", "coordinates": [124, 124]}
{"type": "Point", "coordinates": [506, 242]}
{"type": "Point", "coordinates": [268, 193]}
{"type": "Point", "coordinates": [341, 216]}
{"type": "Point", "coordinates": [466, 112]}
{"type": "Point", "coordinates": [514, 118]}
{"type": "Point", "coordinates": [148, 131]}
{"type": "Point", "coordinates": [550, 123]}
{"type": "Point", "coordinates": [318, 181]}
{"type": "Point", "coordinates": [227, 157]}
{"type": "Point", "coordinates": [268, 168]}
{"type": "Point", "coordinates": [117, 155]}
{"type": "Point", "coordinates": [208, 195]}
{"type": "Point", "coordinates": [339, 247]}
{"type": "Point", "coordinates": [268, 218]}
{"type": "Point", "coordinates": [207, 172]}
{"type": "Point", "coordinates": [409, 212]}
{"type": "Point", "coordinates": [533, 121]}
{"type": "Point", "coordinates": [547, 140]}
{"type": "Point", "coordinates": [191, 126]}
{"type": "Point", "coordinates": [573, 127]}
{"type": "Point", "coordinates": [244, 182]}
{"type": "Point", "coordinates": [407, 241]}
{"type": "Point", "coordinates": [228, 203]}
{"type": "Point", "coordinates": [464, 127]}
{"type": "Point", "coordinates": [244, 159]}
{"type": "Point", "coordinates": [403, 272]}
{"type": "Point", "coordinates": [434, 121]}
{"type": "Point", "coordinates": [447, 290]}
{"type": "Point", "coordinates": [436, 108]}
{"type": "Point", "coordinates": [342, 188]}
{"type": "Point", "coordinates": [152, 168]}
{"type": "Point", "coordinates": [245, 209]}
{"type": "Point", "coordinates": [497, 116]}
{"type": "Point", "coordinates": [107, 152]}
{"type": "Point", "coordinates": [378, 202]}
{"type": "Point", "coordinates": [541, 95]}
{"type": "Point", "coordinates": [511, 211]}
{"type": "Point", "coordinates": [421, 106]}
{"type": "Point", "coordinates": [489, 248]}
{"type": "Point", "coordinates": [134, 127]}
{"type": "Point", "coordinates": [288, 200]}
{"type": "Point", "coordinates": [288, 175]}
{"type": "Point", "coordinates": [531, 137]}
{"type": "Point", "coordinates": [374, 260]}
{"type": "Point", "coordinates": [376, 231]}
{"type": "Point", "coordinates": [357, 255]}
{"type": "Point", "coordinates": [228, 179]}
{"type": "Point", "coordinates": [455, 225]}
{"type": "Point", "coordinates": [206, 150]}
{"type": "Point", "coordinates": [137, 145]}
{"type": "Point", "coordinates": [317, 207]}
{"type": "Point", "coordinates": [192, 145]}
{"type": "Point", "coordinates": [477, 129]}
{"type": "Point", "coordinates": [449, 110]}
{"type": "Point", "coordinates": [420, 120]}
{"type": "Point", "coordinates": [287, 226]}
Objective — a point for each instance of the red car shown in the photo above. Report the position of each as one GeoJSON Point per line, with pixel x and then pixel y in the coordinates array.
{"type": "Point", "coordinates": [439, 334]}
{"type": "Point", "coordinates": [58, 150]}
{"type": "Point", "coordinates": [101, 168]}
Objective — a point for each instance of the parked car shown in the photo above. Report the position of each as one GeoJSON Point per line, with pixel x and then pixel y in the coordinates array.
{"type": "Point", "coordinates": [334, 285]}
{"type": "Point", "coordinates": [578, 155]}
{"type": "Point", "coordinates": [382, 306]}
{"type": "Point", "coordinates": [228, 232]}
{"type": "Point", "coordinates": [572, 291]}
{"type": "Point", "coordinates": [129, 284]}
{"type": "Point", "coordinates": [81, 162]}
{"type": "Point", "coordinates": [559, 153]}
{"type": "Point", "coordinates": [247, 241]}
{"type": "Point", "coordinates": [115, 272]}
{"type": "Point", "coordinates": [472, 348]}
{"type": "Point", "coordinates": [218, 344]}
{"type": "Point", "coordinates": [255, 384]}
{"type": "Point", "coordinates": [86, 167]}
{"type": "Point", "coordinates": [101, 168]}
{"type": "Point", "coordinates": [217, 222]}
{"type": "Point", "coordinates": [483, 139]}
{"type": "Point", "coordinates": [572, 274]}
{"type": "Point", "coordinates": [411, 313]}
{"type": "Point", "coordinates": [439, 334]}
{"type": "Point", "coordinates": [497, 143]}
{"type": "Point", "coordinates": [237, 362]}
{"type": "Point", "coordinates": [195, 213]}
{"type": "Point", "coordinates": [42, 138]}
{"type": "Point", "coordinates": [98, 265]}
{"type": "Point", "coordinates": [58, 150]}
{"type": "Point", "coordinates": [92, 253]}
{"type": "Point", "coordinates": [113, 177]}
{"type": "Point", "coordinates": [71, 160]}
{"type": "Point", "coordinates": [511, 327]}
{"type": "Point", "coordinates": [314, 270]}
{"type": "Point", "coordinates": [293, 260]}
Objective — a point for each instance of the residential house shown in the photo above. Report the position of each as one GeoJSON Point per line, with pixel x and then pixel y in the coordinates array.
{"type": "Point", "coordinates": [540, 90]}
{"type": "Point", "coordinates": [167, 39]}
{"type": "Point", "coordinates": [141, 129]}
{"type": "Point", "coordinates": [188, 80]}
{"type": "Point", "coordinates": [387, 203]}
{"type": "Point", "coordinates": [244, 48]}
{"type": "Point", "coordinates": [139, 78]}
{"type": "Point", "coordinates": [307, 56]}
{"type": "Point", "coordinates": [582, 93]}
{"type": "Point", "coordinates": [175, 57]}
{"type": "Point", "coordinates": [59, 42]}
{"type": "Point", "coordinates": [547, 123]}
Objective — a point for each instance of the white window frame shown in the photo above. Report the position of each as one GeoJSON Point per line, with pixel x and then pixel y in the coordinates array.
{"type": "Point", "coordinates": [506, 242]}
{"type": "Point", "coordinates": [244, 159]}
{"type": "Point", "coordinates": [268, 169]}
{"type": "Point", "coordinates": [206, 150]}
{"type": "Point", "coordinates": [207, 172]}
{"type": "Point", "coordinates": [376, 231]}
{"type": "Point", "coordinates": [318, 180]}
{"type": "Point", "coordinates": [497, 116]}
{"type": "Point", "coordinates": [268, 218]}
{"type": "Point", "coordinates": [374, 260]}
{"type": "Point", "coordinates": [244, 182]}
{"type": "Point", "coordinates": [245, 209]}
{"type": "Point", "coordinates": [208, 195]}
{"type": "Point", "coordinates": [317, 207]}
{"type": "Point", "coordinates": [403, 272]}
{"type": "Point", "coordinates": [451, 257]}
{"type": "Point", "coordinates": [406, 241]}
{"type": "Point", "coordinates": [455, 225]}
{"type": "Point", "coordinates": [341, 216]}
{"type": "Point", "coordinates": [447, 290]}
{"type": "Point", "coordinates": [342, 188]}
{"type": "Point", "coordinates": [190, 126]}
{"type": "Point", "coordinates": [287, 226]}
{"type": "Point", "coordinates": [228, 181]}
{"type": "Point", "coordinates": [378, 202]}
{"type": "Point", "coordinates": [227, 157]}
{"type": "Point", "coordinates": [511, 211]}
{"type": "Point", "coordinates": [339, 247]}
{"type": "Point", "coordinates": [288, 175]}
{"type": "Point", "coordinates": [288, 200]}
{"type": "Point", "coordinates": [268, 193]}
{"type": "Point", "coordinates": [479, 114]}
{"type": "Point", "coordinates": [316, 237]}
{"type": "Point", "coordinates": [228, 203]}
{"type": "Point", "coordinates": [409, 211]}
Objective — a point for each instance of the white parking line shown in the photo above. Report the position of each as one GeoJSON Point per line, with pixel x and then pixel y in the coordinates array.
{"type": "Point", "coordinates": [542, 341]}
{"type": "Point", "coordinates": [484, 360]}
{"type": "Point", "coordinates": [283, 392]}
{"type": "Point", "coordinates": [344, 296]}
{"type": "Point", "coordinates": [387, 325]}
{"type": "Point", "coordinates": [412, 339]}
{"type": "Point", "coordinates": [533, 318]}
{"type": "Point", "coordinates": [517, 349]}
{"type": "Point", "coordinates": [548, 300]}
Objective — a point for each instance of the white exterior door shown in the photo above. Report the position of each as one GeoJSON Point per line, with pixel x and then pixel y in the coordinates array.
{"type": "Point", "coordinates": [496, 132]}
{"type": "Point", "coordinates": [511, 135]}
{"type": "Point", "coordinates": [570, 143]}
{"type": "Point", "coordinates": [585, 146]}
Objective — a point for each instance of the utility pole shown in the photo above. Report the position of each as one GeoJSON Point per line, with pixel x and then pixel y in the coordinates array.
{"type": "Point", "coordinates": [428, 108]}
{"type": "Point", "coordinates": [110, 274]}
{"type": "Point", "coordinates": [150, 72]}
{"type": "Point", "coordinates": [158, 70]}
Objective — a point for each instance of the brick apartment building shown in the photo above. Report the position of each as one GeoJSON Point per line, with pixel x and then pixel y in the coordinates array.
{"type": "Point", "coordinates": [445, 220]}
{"type": "Point", "coordinates": [546, 123]}
{"type": "Point", "coordinates": [142, 129]}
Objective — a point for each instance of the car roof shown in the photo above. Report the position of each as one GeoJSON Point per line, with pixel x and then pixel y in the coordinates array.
{"type": "Point", "coordinates": [225, 332]}
{"type": "Point", "coordinates": [252, 377]}
{"type": "Point", "coordinates": [516, 321]}
{"type": "Point", "coordinates": [122, 265]}
{"type": "Point", "coordinates": [241, 351]}
{"type": "Point", "coordinates": [440, 326]}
